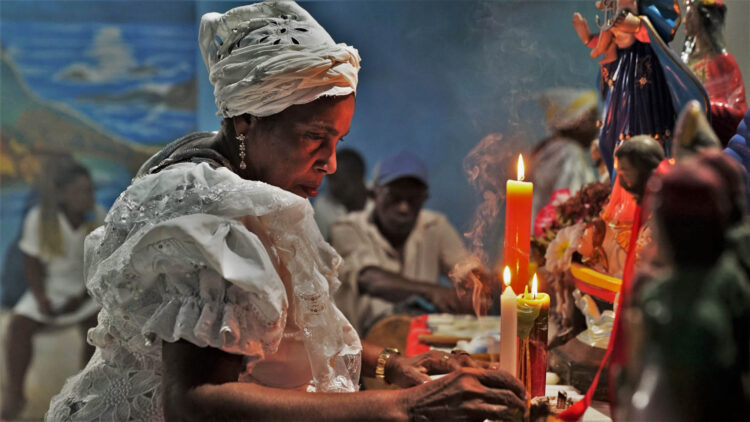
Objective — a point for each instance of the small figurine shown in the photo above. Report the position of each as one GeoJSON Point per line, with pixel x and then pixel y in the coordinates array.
{"type": "Point", "coordinates": [605, 243]}
{"type": "Point", "coordinates": [598, 324]}
{"type": "Point", "coordinates": [693, 133]}
{"type": "Point", "coordinates": [637, 159]}
{"type": "Point", "coordinates": [705, 52]}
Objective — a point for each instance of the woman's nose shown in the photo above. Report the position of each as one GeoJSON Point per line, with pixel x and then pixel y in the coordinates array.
{"type": "Point", "coordinates": [330, 159]}
{"type": "Point", "coordinates": [331, 163]}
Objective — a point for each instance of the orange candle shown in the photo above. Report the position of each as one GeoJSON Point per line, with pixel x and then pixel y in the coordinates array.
{"type": "Point", "coordinates": [518, 196]}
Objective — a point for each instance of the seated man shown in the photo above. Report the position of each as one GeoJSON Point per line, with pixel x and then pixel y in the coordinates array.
{"type": "Point", "coordinates": [398, 250]}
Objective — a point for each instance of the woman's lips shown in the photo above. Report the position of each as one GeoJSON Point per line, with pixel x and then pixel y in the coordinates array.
{"type": "Point", "coordinates": [309, 191]}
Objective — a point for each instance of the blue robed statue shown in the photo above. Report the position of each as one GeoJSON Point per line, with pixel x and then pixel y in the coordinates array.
{"type": "Point", "coordinates": [643, 83]}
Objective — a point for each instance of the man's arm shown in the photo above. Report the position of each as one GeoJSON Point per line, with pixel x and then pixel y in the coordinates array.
{"type": "Point", "coordinates": [393, 287]}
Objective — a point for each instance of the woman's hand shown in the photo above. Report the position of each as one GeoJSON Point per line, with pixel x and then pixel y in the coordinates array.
{"type": "Point", "coordinates": [415, 370]}
{"type": "Point", "coordinates": [469, 394]}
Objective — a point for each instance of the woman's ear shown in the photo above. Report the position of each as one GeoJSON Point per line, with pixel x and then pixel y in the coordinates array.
{"type": "Point", "coordinates": [240, 125]}
{"type": "Point", "coordinates": [244, 123]}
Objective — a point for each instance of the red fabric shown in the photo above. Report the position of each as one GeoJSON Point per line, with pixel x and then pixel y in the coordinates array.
{"type": "Point", "coordinates": [642, 34]}
{"type": "Point", "coordinates": [418, 326]}
{"type": "Point", "coordinates": [621, 206]}
{"type": "Point", "coordinates": [615, 349]}
{"type": "Point", "coordinates": [619, 351]}
{"type": "Point", "coordinates": [722, 79]}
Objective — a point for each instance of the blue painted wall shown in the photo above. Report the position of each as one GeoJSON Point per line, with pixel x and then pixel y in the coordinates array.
{"type": "Point", "coordinates": [438, 76]}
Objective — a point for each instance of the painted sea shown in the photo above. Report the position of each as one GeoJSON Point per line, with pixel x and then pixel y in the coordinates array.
{"type": "Point", "coordinates": [111, 93]}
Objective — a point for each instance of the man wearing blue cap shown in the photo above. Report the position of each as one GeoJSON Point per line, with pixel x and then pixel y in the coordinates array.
{"type": "Point", "coordinates": [398, 250]}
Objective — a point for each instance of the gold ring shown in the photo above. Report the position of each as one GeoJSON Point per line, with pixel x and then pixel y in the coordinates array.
{"type": "Point", "coordinates": [446, 357]}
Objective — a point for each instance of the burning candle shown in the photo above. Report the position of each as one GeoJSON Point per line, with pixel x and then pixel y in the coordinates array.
{"type": "Point", "coordinates": [518, 195]}
{"type": "Point", "coordinates": [508, 324]}
{"type": "Point", "coordinates": [533, 312]}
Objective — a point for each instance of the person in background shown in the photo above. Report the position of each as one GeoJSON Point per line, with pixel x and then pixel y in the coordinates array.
{"type": "Point", "coordinates": [397, 250]}
{"type": "Point", "coordinates": [346, 190]}
{"type": "Point", "coordinates": [706, 54]}
{"type": "Point", "coordinates": [560, 161]}
{"type": "Point", "coordinates": [52, 247]}
{"type": "Point", "coordinates": [215, 283]}
{"type": "Point", "coordinates": [12, 280]}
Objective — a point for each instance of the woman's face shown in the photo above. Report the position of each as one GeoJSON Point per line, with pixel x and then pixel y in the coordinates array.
{"type": "Point", "coordinates": [77, 197]}
{"type": "Point", "coordinates": [297, 147]}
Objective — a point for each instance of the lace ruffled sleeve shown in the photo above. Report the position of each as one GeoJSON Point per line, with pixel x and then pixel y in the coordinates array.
{"type": "Point", "coordinates": [169, 265]}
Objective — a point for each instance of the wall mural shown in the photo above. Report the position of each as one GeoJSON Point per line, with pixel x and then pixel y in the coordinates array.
{"type": "Point", "coordinates": [109, 92]}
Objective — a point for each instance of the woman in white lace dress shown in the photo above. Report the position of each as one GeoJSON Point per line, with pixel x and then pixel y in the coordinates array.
{"type": "Point", "coordinates": [52, 246]}
{"type": "Point", "coordinates": [215, 283]}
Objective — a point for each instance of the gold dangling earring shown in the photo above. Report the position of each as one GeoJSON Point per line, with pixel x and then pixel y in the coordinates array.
{"type": "Point", "coordinates": [241, 139]}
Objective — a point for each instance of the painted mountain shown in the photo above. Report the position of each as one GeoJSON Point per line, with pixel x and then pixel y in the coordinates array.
{"type": "Point", "coordinates": [110, 89]}
{"type": "Point", "coordinates": [31, 128]}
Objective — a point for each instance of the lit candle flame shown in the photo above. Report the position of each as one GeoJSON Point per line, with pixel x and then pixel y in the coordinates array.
{"type": "Point", "coordinates": [533, 287]}
{"type": "Point", "coordinates": [520, 167]}
{"type": "Point", "coordinates": [506, 276]}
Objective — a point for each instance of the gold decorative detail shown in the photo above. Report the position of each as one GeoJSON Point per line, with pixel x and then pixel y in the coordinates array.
{"type": "Point", "coordinates": [382, 360]}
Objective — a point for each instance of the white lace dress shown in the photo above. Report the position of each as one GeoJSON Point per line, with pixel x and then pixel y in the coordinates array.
{"type": "Point", "coordinates": [199, 254]}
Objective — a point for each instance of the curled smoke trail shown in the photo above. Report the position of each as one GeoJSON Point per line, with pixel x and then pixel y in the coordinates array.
{"type": "Point", "coordinates": [515, 60]}
{"type": "Point", "coordinates": [484, 168]}
{"type": "Point", "coordinates": [487, 168]}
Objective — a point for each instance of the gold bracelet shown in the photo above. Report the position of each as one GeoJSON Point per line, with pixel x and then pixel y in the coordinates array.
{"type": "Point", "coordinates": [382, 359]}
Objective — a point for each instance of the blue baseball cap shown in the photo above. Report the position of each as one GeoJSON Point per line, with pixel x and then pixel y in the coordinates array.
{"type": "Point", "coordinates": [400, 166]}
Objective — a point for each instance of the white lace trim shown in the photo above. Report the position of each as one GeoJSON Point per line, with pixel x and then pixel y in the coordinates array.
{"type": "Point", "coordinates": [175, 261]}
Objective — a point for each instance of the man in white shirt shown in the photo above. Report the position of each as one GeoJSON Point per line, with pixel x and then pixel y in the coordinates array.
{"type": "Point", "coordinates": [397, 250]}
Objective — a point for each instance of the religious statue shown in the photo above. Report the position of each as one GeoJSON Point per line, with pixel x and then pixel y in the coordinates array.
{"type": "Point", "coordinates": [605, 242]}
{"type": "Point", "coordinates": [643, 83]}
{"type": "Point", "coordinates": [706, 54]}
{"type": "Point", "coordinates": [687, 337]}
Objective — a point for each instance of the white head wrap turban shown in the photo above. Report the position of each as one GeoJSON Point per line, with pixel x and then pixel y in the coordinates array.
{"type": "Point", "coordinates": [267, 56]}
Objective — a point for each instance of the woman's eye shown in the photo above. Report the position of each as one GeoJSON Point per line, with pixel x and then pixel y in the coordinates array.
{"type": "Point", "coordinates": [315, 136]}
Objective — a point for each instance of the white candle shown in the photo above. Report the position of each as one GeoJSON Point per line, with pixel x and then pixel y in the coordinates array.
{"type": "Point", "coordinates": [508, 326]}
